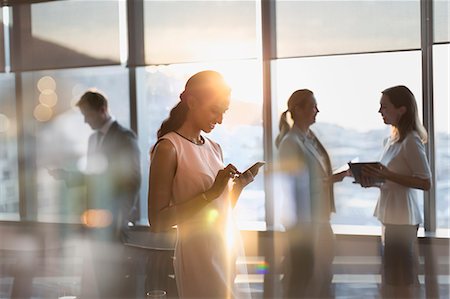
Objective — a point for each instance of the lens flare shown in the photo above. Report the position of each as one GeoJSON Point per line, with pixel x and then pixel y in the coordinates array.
{"type": "Point", "coordinates": [262, 268]}
{"type": "Point", "coordinates": [96, 218]}
{"type": "Point", "coordinates": [212, 216]}
{"type": "Point", "coordinates": [46, 85]}
{"type": "Point", "coordinates": [42, 113]}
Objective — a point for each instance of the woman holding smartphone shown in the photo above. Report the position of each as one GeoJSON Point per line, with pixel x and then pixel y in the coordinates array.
{"type": "Point", "coordinates": [404, 168]}
{"type": "Point", "coordinates": [190, 187]}
{"type": "Point", "coordinates": [305, 162]}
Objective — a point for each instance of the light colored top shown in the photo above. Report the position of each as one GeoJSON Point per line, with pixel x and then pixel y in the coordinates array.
{"type": "Point", "coordinates": [398, 204]}
{"type": "Point", "coordinates": [208, 242]}
{"type": "Point", "coordinates": [307, 190]}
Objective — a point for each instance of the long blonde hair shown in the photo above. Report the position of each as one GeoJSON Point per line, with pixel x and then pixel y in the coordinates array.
{"type": "Point", "coordinates": [401, 96]}
{"type": "Point", "coordinates": [297, 99]}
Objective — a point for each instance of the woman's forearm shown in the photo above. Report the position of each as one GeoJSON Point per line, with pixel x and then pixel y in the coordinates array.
{"type": "Point", "coordinates": [235, 193]}
{"type": "Point", "coordinates": [408, 181]}
{"type": "Point", "coordinates": [172, 215]}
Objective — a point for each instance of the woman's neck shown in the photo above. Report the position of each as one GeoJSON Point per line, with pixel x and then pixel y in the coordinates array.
{"type": "Point", "coordinates": [190, 132]}
{"type": "Point", "coordinates": [302, 126]}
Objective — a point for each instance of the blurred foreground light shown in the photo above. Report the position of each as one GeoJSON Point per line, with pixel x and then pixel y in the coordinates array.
{"type": "Point", "coordinates": [46, 85]}
{"type": "Point", "coordinates": [4, 123]}
{"type": "Point", "coordinates": [262, 268]}
{"type": "Point", "coordinates": [212, 216]}
{"type": "Point", "coordinates": [95, 164]}
{"type": "Point", "coordinates": [96, 218]}
{"type": "Point", "coordinates": [49, 99]}
{"type": "Point", "coordinates": [42, 113]}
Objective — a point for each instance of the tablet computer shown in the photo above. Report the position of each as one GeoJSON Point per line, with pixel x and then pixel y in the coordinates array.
{"type": "Point", "coordinates": [356, 169]}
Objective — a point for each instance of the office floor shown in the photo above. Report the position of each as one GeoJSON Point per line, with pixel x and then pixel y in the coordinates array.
{"type": "Point", "coordinates": [49, 266]}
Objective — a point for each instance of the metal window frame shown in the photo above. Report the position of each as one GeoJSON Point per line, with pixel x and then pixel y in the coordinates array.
{"type": "Point", "coordinates": [426, 27]}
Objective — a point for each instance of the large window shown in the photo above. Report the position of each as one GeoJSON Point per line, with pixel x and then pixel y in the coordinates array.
{"type": "Point", "coordinates": [56, 135]}
{"type": "Point", "coordinates": [441, 14]}
{"type": "Point", "coordinates": [348, 90]}
{"type": "Point", "coordinates": [2, 46]}
{"type": "Point", "coordinates": [62, 34]}
{"type": "Point", "coordinates": [441, 54]}
{"type": "Point", "coordinates": [196, 31]}
{"type": "Point", "coordinates": [240, 134]}
{"type": "Point", "coordinates": [9, 191]}
{"type": "Point", "coordinates": [347, 52]}
{"type": "Point", "coordinates": [305, 28]}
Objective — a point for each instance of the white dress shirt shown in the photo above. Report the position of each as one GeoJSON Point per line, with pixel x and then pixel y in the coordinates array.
{"type": "Point", "coordinates": [95, 159]}
{"type": "Point", "coordinates": [398, 204]}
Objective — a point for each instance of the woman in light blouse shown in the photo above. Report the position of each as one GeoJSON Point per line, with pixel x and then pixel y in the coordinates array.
{"type": "Point", "coordinates": [404, 168]}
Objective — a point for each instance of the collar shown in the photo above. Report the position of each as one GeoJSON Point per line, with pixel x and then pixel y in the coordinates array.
{"type": "Point", "coordinates": [303, 136]}
{"type": "Point", "coordinates": [105, 128]}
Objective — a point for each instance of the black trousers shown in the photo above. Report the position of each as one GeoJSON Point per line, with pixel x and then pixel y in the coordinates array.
{"type": "Point", "coordinates": [308, 262]}
{"type": "Point", "coordinates": [399, 255]}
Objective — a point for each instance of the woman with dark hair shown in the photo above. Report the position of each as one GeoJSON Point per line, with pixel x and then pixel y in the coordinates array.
{"type": "Point", "coordinates": [305, 162]}
{"type": "Point", "coordinates": [404, 168]}
{"type": "Point", "coordinates": [189, 187]}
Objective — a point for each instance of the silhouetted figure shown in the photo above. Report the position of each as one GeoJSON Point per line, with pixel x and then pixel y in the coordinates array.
{"type": "Point", "coordinates": [404, 167]}
{"type": "Point", "coordinates": [309, 179]}
{"type": "Point", "coordinates": [190, 187]}
{"type": "Point", "coordinates": [112, 181]}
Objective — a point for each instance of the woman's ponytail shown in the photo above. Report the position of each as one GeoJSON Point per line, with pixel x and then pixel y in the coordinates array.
{"type": "Point", "coordinates": [284, 128]}
{"type": "Point", "coordinates": [176, 118]}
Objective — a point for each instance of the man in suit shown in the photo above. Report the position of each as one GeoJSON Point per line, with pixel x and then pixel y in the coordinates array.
{"type": "Point", "coordinates": [112, 179]}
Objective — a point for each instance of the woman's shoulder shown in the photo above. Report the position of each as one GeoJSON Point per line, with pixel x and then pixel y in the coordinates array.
{"type": "Point", "coordinates": [166, 142]}
{"type": "Point", "coordinates": [292, 137]}
{"type": "Point", "coordinates": [163, 147]}
{"type": "Point", "coordinates": [412, 138]}
{"type": "Point", "coordinates": [214, 145]}
{"type": "Point", "coordinates": [291, 144]}
{"type": "Point", "coordinates": [169, 136]}
{"type": "Point", "coordinates": [412, 141]}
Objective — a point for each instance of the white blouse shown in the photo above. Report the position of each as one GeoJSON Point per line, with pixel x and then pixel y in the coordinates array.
{"type": "Point", "coordinates": [398, 204]}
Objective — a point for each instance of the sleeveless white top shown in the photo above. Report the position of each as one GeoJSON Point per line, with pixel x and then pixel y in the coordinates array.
{"type": "Point", "coordinates": [208, 243]}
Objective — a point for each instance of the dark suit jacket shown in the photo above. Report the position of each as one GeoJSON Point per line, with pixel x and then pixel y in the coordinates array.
{"type": "Point", "coordinates": [115, 183]}
{"type": "Point", "coordinates": [295, 151]}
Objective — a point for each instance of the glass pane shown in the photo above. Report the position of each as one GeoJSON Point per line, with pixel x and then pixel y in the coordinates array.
{"type": "Point", "coordinates": [240, 135]}
{"type": "Point", "coordinates": [70, 33]}
{"type": "Point", "coordinates": [190, 31]}
{"type": "Point", "coordinates": [2, 43]}
{"type": "Point", "coordinates": [57, 136]}
{"type": "Point", "coordinates": [307, 28]}
{"type": "Point", "coordinates": [9, 176]}
{"type": "Point", "coordinates": [441, 77]}
{"type": "Point", "coordinates": [348, 90]}
{"type": "Point", "coordinates": [441, 21]}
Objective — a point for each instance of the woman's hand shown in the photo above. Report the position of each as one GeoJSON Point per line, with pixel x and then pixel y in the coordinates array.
{"type": "Point", "coordinates": [221, 181]}
{"type": "Point", "coordinates": [244, 179]}
{"type": "Point", "coordinates": [370, 174]}
{"type": "Point", "coordinates": [338, 177]}
{"type": "Point", "coordinates": [247, 176]}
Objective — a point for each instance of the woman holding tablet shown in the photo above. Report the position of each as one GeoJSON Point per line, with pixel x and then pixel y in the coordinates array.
{"type": "Point", "coordinates": [404, 168]}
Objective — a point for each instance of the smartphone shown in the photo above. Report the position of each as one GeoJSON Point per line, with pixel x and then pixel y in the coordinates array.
{"type": "Point", "coordinates": [254, 168]}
